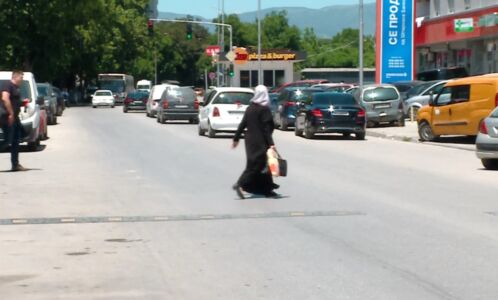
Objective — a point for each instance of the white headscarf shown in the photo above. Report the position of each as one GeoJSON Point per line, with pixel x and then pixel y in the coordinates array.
{"type": "Point", "coordinates": [261, 96]}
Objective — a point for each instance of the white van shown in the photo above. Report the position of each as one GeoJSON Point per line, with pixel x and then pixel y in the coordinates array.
{"type": "Point", "coordinates": [144, 85]}
{"type": "Point", "coordinates": [30, 113]}
{"type": "Point", "coordinates": [154, 98]}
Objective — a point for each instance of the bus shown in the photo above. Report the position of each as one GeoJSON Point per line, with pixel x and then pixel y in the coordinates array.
{"type": "Point", "coordinates": [119, 84]}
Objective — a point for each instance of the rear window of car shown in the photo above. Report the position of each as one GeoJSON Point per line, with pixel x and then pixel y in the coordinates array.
{"type": "Point", "coordinates": [183, 93]}
{"type": "Point", "coordinates": [43, 90]}
{"type": "Point", "coordinates": [103, 94]}
{"type": "Point", "coordinates": [233, 98]}
{"type": "Point", "coordinates": [327, 99]}
{"type": "Point", "coordinates": [380, 94]}
{"type": "Point", "coordinates": [137, 95]}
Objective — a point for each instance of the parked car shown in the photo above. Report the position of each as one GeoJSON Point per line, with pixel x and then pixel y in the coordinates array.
{"type": "Point", "coordinates": [333, 87]}
{"type": "Point", "coordinates": [154, 97]}
{"type": "Point", "coordinates": [487, 141]}
{"type": "Point", "coordinates": [284, 110]}
{"type": "Point", "coordinates": [136, 100]}
{"type": "Point", "coordinates": [61, 103]}
{"type": "Point", "coordinates": [299, 83]}
{"type": "Point", "coordinates": [103, 98]}
{"type": "Point", "coordinates": [442, 74]}
{"type": "Point", "coordinates": [178, 103]}
{"type": "Point", "coordinates": [421, 94]}
{"type": "Point", "coordinates": [459, 108]}
{"type": "Point", "coordinates": [404, 86]}
{"type": "Point", "coordinates": [223, 109]}
{"type": "Point", "coordinates": [46, 90]}
{"type": "Point", "coordinates": [30, 112]}
{"type": "Point", "coordinates": [330, 112]}
{"type": "Point", "coordinates": [382, 103]}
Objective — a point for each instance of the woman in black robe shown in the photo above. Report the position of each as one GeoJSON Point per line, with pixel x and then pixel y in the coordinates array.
{"type": "Point", "coordinates": [258, 119]}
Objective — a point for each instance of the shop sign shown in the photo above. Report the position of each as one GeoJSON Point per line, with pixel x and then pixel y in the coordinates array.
{"type": "Point", "coordinates": [488, 20]}
{"type": "Point", "coordinates": [273, 56]}
{"type": "Point", "coordinates": [396, 46]}
{"type": "Point", "coordinates": [464, 25]}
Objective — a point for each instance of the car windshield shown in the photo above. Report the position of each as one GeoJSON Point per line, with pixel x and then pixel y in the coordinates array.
{"type": "Point", "coordinates": [303, 95]}
{"type": "Point", "coordinates": [42, 90]}
{"type": "Point", "coordinates": [380, 94]}
{"type": "Point", "coordinates": [116, 86]}
{"type": "Point", "coordinates": [327, 99]}
{"type": "Point", "coordinates": [494, 114]}
{"type": "Point", "coordinates": [416, 90]}
{"type": "Point", "coordinates": [233, 98]}
{"type": "Point", "coordinates": [103, 94]}
{"type": "Point", "coordinates": [25, 90]}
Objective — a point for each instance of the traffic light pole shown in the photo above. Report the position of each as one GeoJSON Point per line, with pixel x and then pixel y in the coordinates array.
{"type": "Point", "coordinates": [228, 26]}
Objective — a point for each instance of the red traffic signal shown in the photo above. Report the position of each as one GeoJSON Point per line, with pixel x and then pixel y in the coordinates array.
{"type": "Point", "coordinates": [150, 27]}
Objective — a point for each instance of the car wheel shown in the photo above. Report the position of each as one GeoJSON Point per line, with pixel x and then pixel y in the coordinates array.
{"type": "Point", "coordinates": [284, 126]}
{"type": "Point", "coordinates": [425, 132]}
{"type": "Point", "coordinates": [490, 164]}
{"type": "Point", "coordinates": [33, 146]}
{"type": "Point", "coordinates": [297, 132]}
{"type": "Point", "coordinates": [55, 120]}
{"type": "Point", "coordinates": [370, 124]}
{"type": "Point", "coordinates": [308, 131]}
{"type": "Point", "coordinates": [401, 121]}
{"type": "Point", "coordinates": [162, 119]}
{"type": "Point", "coordinates": [360, 136]}
{"type": "Point", "coordinates": [125, 110]}
{"type": "Point", "coordinates": [346, 135]}
{"type": "Point", "coordinates": [112, 106]}
{"type": "Point", "coordinates": [94, 106]}
{"type": "Point", "coordinates": [147, 114]}
{"type": "Point", "coordinates": [211, 131]}
{"type": "Point", "coordinates": [200, 131]}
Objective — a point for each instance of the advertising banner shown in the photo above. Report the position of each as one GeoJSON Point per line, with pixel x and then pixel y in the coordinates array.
{"type": "Point", "coordinates": [395, 40]}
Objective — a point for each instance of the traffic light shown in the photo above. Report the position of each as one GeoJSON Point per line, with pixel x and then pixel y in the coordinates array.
{"type": "Point", "coordinates": [189, 31]}
{"type": "Point", "coordinates": [150, 27]}
{"type": "Point", "coordinates": [231, 73]}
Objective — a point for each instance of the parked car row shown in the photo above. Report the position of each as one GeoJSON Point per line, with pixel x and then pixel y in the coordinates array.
{"type": "Point", "coordinates": [42, 104]}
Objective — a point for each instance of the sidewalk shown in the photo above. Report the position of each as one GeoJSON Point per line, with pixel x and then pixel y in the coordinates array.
{"type": "Point", "coordinates": [409, 133]}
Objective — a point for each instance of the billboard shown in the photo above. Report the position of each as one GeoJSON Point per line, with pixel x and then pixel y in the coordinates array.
{"type": "Point", "coordinates": [395, 40]}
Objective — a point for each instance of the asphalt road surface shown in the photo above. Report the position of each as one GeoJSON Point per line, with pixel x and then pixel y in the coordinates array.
{"type": "Point", "coordinates": [117, 206]}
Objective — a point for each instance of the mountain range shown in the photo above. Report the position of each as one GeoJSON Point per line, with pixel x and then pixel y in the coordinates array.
{"type": "Point", "coordinates": [326, 21]}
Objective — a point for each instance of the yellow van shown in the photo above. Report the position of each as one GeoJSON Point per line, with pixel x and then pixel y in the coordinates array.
{"type": "Point", "coordinates": [459, 108]}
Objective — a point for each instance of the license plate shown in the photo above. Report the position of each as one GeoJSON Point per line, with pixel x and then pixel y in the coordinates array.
{"type": "Point", "coordinates": [236, 112]}
{"type": "Point", "coordinates": [340, 113]}
{"type": "Point", "coordinates": [181, 106]}
{"type": "Point", "coordinates": [382, 114]}
{"type": "Point", "coordinates": [138, 102]}
{"type": "Point", "coordinates": [383, 106]}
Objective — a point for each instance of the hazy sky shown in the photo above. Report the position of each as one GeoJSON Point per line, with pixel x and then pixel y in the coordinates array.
{"type": "Point", "coordinates": [209, 8]}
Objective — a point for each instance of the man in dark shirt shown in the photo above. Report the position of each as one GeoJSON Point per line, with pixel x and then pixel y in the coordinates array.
{"type": "Point", "coordinates": [11, 100]}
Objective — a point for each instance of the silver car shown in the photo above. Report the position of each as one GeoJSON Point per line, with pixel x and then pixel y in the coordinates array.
{"type": "Point", "coordinates": [382, 103]}
{"type": "Point", "coordinates": [487, 141]}
{"type": "Point", "coordinates": [419, 96]}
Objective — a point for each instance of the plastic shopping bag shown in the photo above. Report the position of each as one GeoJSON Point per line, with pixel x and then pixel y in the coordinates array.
{"type": "Point", "coordinates": [276, 164]}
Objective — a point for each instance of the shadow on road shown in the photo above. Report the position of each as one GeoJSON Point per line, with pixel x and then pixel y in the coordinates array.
{"type": "Point", "coordinates": [27, 170]}
{"type": "Point", "coordinates": [466, 140]}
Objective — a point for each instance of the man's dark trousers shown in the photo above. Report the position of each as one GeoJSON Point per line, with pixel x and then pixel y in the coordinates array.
{"type": "Point", "coordinates": [12, 135]}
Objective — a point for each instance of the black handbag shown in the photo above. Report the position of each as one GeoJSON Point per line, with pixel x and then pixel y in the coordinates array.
{"type": "Point", "coordinates": [3, 114]}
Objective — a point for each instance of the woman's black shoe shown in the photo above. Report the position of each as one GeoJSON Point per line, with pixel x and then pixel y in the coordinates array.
{"type": "Point", "coordinates": [272, 194]}
{"type": "Point", "coordinates": [275, 186]}
{"type": "Point", "coordinates": [239, 191]}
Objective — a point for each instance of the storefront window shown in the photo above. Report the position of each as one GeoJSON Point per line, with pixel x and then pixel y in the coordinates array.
{"type": "Point", "coordinates": [244, 79]}
{"type": "Point", "coordinates": [279, 77]}
{"type": "Point", "coordinates": [451, 6]}
{"type": "Point", "coordinates": [467, 4]}
{"type": "Point", "coordinates": [254, 78]}
{"type": "Point", "coordinates": [268, 78]}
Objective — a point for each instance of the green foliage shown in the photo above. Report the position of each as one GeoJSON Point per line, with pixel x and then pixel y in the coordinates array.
{"type": "Point", "coordinates": [61, 40]}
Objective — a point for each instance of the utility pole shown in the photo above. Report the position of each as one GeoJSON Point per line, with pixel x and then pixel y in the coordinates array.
{"type": "Point", "coordinates": [260, 75]}
{"type": "Point", "coordinates": [223, 38]}
{"type": "Point", "coordinates": [360, 50]}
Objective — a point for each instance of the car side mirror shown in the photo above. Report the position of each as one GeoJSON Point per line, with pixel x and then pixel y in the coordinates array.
{"type": "Point", "coordinates": [40, 101]}
{"type": "Point", "coordinates": [431, 98]}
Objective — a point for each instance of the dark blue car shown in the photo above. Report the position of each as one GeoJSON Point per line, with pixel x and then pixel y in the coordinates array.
{"type": "Point", "coordinates": [285, 107]}
{"type": "Point", "coordinates": [331, 113]}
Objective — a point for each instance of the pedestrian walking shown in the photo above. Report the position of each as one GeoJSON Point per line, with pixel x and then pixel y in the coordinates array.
{"type": "Point", "coordinates": [258, 120]}
{"type": "Point", "coordinates": [11, 124]}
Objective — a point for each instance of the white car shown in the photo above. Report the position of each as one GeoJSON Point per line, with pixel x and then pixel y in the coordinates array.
{"type": "Point", "coordinates": [487, 141]}
{"type": "Point", "coordinates": [223, 109]}
{"type": "Point", "coordinates": [30, 112]}
{"type": "Point", "coordinates": [103, 98]}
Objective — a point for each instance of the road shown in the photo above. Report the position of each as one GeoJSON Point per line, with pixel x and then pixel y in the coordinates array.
{"type": "Point", "coordinates": [118, 206]}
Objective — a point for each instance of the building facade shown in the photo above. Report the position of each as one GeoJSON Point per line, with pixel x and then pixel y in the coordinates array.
{"type": "Point", "coordinates": [453, 33]}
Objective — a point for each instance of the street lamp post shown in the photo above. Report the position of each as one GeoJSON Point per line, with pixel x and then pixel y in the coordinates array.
{"type": "Point", "coordinates": [360, 50]}
{"type": "Point", "coordinates": [260, 74]}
